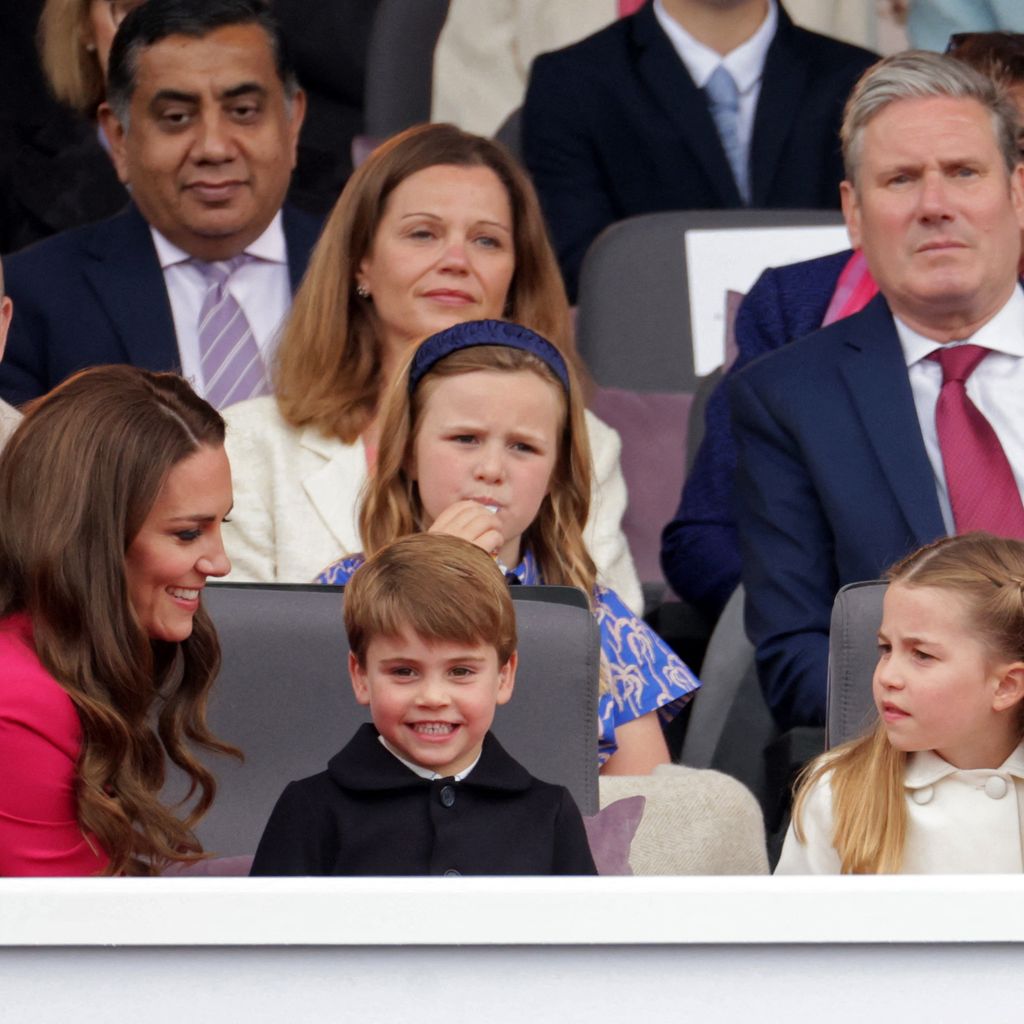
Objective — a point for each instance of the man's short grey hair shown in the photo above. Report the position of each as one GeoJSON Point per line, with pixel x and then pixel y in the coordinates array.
{"type": "Point", "coordinates": [919, 74]}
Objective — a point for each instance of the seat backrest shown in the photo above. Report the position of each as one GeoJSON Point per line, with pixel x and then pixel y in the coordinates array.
{"type": "Point", "coordinates": [633, 326]}
{"type": "Point", "coordinates": [641, 354]}
{"type": "Point", "coordinates": [730, 725]}
{"type": "Point", "coordinates": [852, 656]}
{"type": "Point", "coordinates": [400, 64]}
{"type": "Point", "coordinates": [652, 428]}
{"type": "Point", "coordinates": [283, 696]}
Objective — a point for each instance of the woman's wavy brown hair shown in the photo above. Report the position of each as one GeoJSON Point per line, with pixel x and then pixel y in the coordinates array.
{"type": "Point", "coordinates": [77, 480]}
{"type": "Point", "coordinates": [328, 370]}
{"type": "Point", "coordinates": [391, 508]}
{"type": "Point", "coordinates": [869, 805]}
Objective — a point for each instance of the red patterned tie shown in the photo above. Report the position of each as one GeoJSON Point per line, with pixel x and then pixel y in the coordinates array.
{"type": "Point", "coordinates": [982, 489]}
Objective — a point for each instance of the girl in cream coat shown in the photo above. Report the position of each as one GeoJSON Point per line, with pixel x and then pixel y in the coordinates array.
{"type": "Point", "coordinates": [938, 786]}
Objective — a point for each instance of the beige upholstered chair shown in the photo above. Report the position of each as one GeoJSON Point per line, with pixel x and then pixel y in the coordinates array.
{"type": "Point", "coordinates": [695, 822]}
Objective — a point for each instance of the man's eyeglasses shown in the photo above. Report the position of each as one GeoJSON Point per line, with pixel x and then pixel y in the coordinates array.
{"type": "Point", "coordinates": [120, 9]}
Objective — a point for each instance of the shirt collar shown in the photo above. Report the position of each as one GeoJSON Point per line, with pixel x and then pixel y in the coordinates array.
{"type": "Point", "coordinates": [269, 247]}
{"type": "Point", "coordinates": [925, 768]}
{"type": "Point", "coordinates": [527, 571]}
{"type": "Point", "coordinates": [418, 769]}
{"type": "Point", "coordinates": [745, 63]}
{"type": "Point", "coordinates": [1003, 333]}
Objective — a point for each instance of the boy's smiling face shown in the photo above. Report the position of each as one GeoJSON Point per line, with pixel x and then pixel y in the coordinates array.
{"type": "Point", "coordinates": [432, 701]}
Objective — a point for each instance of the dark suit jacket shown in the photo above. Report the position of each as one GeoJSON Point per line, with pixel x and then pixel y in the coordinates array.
{"type": "Point", "coordinates": [699, 548]}
{"type": "Point", "coordinates": [833, 485]}
{"type": "Point", "coordinates": [96, 295]}
{"type": "Point", "coordinates": [54, 175]}
{"type": "Point", "coordinates": [370, 815]}
{"type": "Point", "coordinates": [614, 126]}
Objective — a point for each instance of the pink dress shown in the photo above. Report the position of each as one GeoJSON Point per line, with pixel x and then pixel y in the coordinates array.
{"type": "Point", "coordinates": [40, 740]}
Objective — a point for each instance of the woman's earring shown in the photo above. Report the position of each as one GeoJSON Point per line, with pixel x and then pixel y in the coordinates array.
{"type": "Point", "coordinates": [362, 291]}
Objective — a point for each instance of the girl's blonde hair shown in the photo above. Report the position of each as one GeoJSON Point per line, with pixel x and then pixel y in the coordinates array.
{"type": "Point", "coordinates": [869, 810]}
{"type": "Point", "coordinates": [329, 361]}
{"type": "Point", "coordinates": [391, 508]}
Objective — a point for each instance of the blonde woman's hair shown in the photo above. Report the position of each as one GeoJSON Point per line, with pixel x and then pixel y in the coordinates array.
{"type": "Point", "coordinates": [329, 362]}
{"type": "Point", "coordinates": [869, 810]}
{"type": "Point", "coordinates": [391, 507]}
{"type": "Point", "coordinates": [72, 70]}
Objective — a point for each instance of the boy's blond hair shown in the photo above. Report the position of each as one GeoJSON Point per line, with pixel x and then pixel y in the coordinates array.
{"type": "Point", "coordinates": [440, 587]}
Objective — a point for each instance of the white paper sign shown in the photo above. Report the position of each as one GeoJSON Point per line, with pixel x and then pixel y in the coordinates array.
{"type": "Point", "coordinates": [720, 260]}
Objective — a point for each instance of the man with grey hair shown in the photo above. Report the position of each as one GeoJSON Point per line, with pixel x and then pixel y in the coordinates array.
{"type": "Point", "coordinates": [9, 418]}
{"type": "Point", "coordinates": [862, 442]}
{"type": "Point", "coordinates": [198, 272]}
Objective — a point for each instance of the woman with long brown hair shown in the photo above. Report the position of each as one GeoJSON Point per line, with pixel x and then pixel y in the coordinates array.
{"type": "Point", "coordinates": [438, 227]}
{"type": "Point", "coordinates": [112, 494]}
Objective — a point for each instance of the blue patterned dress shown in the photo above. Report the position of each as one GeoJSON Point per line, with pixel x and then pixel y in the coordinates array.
{"type": "Point", "coordinates": [644, 674]}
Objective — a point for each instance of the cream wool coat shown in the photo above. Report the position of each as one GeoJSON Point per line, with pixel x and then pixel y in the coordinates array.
{"type": "Point", "coordinates": [959, 822]}
{"type": "Point", "coordinates": [297, 499]}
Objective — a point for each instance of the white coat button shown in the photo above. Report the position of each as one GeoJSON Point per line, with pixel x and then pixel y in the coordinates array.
{"type": "Point", "coordinates": [923, 795]}
{"type": "Point", "coordinates": [995, 787]}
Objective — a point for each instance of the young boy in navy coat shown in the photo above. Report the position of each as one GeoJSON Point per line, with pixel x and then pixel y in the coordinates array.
{"type": "Point", "coordinates": [426, 789]}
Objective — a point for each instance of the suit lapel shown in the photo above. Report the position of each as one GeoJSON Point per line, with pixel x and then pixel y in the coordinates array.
{"type": "Point", "coordinates": [782, 85]}
{"type": "Point", "coordinates": [875, 373]}
{"type": "Point", "coordinates": [333, 487]}
{"type": "Point", "coordinates": [683, 103]}
{"type": "Point", "coordinates": [126, 278]}
{"type": "Point", "coordinates": [300, 235]}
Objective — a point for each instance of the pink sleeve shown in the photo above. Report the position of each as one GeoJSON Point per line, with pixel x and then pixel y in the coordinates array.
{"type": "Point", "coordinates": [39, 744]}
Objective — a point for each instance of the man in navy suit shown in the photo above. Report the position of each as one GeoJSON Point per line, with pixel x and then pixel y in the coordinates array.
{"type": "Point", "coordinates": [202, 120]}
{"type": "Point", "coordinates": [841, 471]}
{"type": "Point", "coordinates": [627, 121]}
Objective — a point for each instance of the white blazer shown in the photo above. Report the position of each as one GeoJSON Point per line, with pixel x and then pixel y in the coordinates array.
{"type": "Point", "coordinates": [9, 419]}
{"type": "Point", "coordinates": [297, 499]}
{"type": "Point", "coordinates": [958, 822]}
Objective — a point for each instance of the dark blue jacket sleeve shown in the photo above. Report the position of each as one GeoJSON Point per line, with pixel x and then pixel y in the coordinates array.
{"type": "Point", "coordinates": [788, 561]}
{"type": "Point", "coordinates": [700, 548]}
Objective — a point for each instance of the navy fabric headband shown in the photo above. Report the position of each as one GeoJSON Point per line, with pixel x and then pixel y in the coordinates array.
{"type": "Point", "coordinates": [485, 332]}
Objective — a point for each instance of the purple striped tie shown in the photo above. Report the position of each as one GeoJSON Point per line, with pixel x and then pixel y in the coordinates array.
{"type": "Point", "coordinates": [231, 363]}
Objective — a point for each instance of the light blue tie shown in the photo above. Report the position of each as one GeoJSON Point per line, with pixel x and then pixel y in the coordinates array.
{"type": "Point", "coordinates": [724, 104]}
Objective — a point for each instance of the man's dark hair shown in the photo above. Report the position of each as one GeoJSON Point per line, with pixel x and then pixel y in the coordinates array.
{"type": "Point", "coordinates": [157, 19]}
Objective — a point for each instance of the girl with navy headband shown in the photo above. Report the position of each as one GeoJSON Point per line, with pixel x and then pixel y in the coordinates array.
{"type": "Point", "coordinates": [483, 437]}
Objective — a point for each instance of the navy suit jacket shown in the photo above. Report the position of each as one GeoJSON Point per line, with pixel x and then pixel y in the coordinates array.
{"type": "Point", "coordinates": [96, 295]}
{"type": "Point", "coordinates": [833, 485]}
{"type": "Point", "coordinates": [700, 552]}
{"type": "Point", "coordinates": [614, 126]}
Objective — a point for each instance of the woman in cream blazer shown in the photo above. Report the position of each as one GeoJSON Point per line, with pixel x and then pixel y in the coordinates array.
{"type": "Point", "coordinates": [436, 227]}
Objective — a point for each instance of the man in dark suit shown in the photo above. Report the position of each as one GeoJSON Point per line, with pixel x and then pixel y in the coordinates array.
{"type": "Point", "coordinates": [853, 442]}
{"type": "Point", "coordinates": [202, 119]}
{"type": "Point", "coordinates": [633, 120]}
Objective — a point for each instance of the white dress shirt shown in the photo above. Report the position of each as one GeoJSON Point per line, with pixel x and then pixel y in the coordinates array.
{"type": "Point", "coordinates": [260, 286]}
{"type": "Point", "coordinates": [426, 773]}
{"type": "Point", "coordinates": [745, 63]}
{"type": "Point", "coordinates": [996, 387]}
